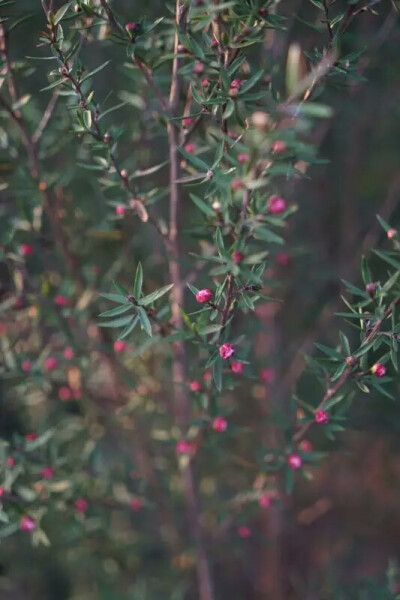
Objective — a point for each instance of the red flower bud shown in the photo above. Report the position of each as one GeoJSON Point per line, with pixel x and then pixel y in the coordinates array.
{"type": "Point", "coordinates": [226, 351]}
{"type": "Point", "coordinates": [219, 424]}
{"type": "Point", "coordinates": [295, 461]}
{"type": "Point", "coordinates": [276, 205]}
{"type": "Point", "coordinates": [321, 417]}
{"type": "Point", "coordinates": [379, 370]}
{"type": "Point", "coordinates": [204, 296]}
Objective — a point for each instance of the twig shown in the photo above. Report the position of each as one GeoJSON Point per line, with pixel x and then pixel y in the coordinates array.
{"type": "Point", "coordinates": [331, 391]}
{"type": "Point", "coordinates": [48, 113]}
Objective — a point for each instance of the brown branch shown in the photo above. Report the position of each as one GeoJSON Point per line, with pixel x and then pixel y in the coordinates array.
{"type": "Point", "coordinates": [48, 113]}
{"type": "Point", "coordinates": [110, 17]}
{"type": "Point", "coordinates": [182, 402]}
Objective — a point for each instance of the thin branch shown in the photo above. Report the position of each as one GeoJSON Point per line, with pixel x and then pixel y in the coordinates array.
{"type": "Point", "coordinates": [331, 391]}
{"type": "Point", "coordinates": [48, 113]}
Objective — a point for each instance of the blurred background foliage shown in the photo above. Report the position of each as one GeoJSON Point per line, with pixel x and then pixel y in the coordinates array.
{"type": "Point", "coordinates": [339, 531]}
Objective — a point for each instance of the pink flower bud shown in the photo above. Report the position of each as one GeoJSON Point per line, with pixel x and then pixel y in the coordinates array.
{"type": "Point", "coordinates": [190, 148]}
{"type": "Point", "coordinates": [213, 44]}
{"type": "Point", "coordinates": [295, 461]}
{"type": "Point", "coordinates": [27, 524]}
{"type": "Point", "coordinates": [264, 500]}
{"type": "Point", "coordinates": [306, 446]}
{"type": "Point", "coordinates": [50, 363]}
{"type": "Point", "coordinates": [188, 121]}
{"type": "Point", "coordinates": [31, 437]}
{"type": "Point", "coordinates": [237, 367]}
{"type": "Point", "coordinates": [65, 393]}
{"type": "Point", "coordinates": [60, 300]}
{"type": "Point", "coordinates": [220, 424]}
{"type": "Point", "coordinates": [321, 417]}
{"type": "Point", "coordinates": [1, 491]}
{"type": "Point", "coordinates": [243, 157]}
{"type": "Point", "coordinates": [195, 386]}
{"type": "Point", "coordinates": [184, 447]}
{"type": "Point", "coordinates": [267, 375]}
{"type": "Point", "coordinates": [237, 184]}
{"type": "Point", "coordinates": [283, 259]}
{"type": "Point", "coordinates": [120, 210]}
{"type": "Point", "coordinates": [207, 376]}
{"type": "Point", "coordinates": [351, 361]}
{"type": "Point", "coordinates": [278, 147]}
{"type": "Point", "coordinates": [226, 351]}
{"type": "Point", "coordinates": [198, 68]}
{"type": "Point", "coordinates": [26, 366]}
{"type": "Point", "coordinates": [132, 26]}
{"type": "Point", "coordinates": [47, 473]}
{"type": "Point", "coordinates": [10, 462]}
{"type": "Point", "coordinates": [81, 505]}
{"type": "Point", "coordinates": [204, 296]}
{"type": "Point", "coordinates": [236, 84]}
{"type": "Point", "coordinates": [69, 353]}
{"type": "Point", "coordinates": [276, 205]}
{"type": "Point", "coordinates": [136, 504]}
{"type": "Point", "coordinates": [233, 93]}
{"type": "Point", "coordinates": [391, 233]}
{"type": "Point", "coordinates": [370, 288]}
{"type": "Point", "coordinates": [237, 256]}
{"type": "Point", "coordinates": [26, 249]}
{"type": "Point", "coordinates": [379, 370]}
{"type": "Point", "coordinates": [205, 82]}
{"type": "Point", "coordinates": [243, 531]}
{"type": "Point", "coordinates": [120, 346]}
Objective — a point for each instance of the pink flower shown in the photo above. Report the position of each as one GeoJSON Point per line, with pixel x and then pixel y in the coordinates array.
{"type": "Point", "coordinates": [379, 370]}
{"type": "Point", "coordinates": [226, 351]}
{"type": "Point", "coordinates": [81, 505]}
{"type": "Point", "coordinates": [237, 184]}
{"type": "Point", "coordinates": [278, 147]}
{"type": "Point", "coordinates": [236, 84]}
{"type": "Point", "coordinates": [26, 366]}
{"type": "Point", "coordinates": [306, 446]}
{"type": "Point", "coordinates": [267, 375]}
{"type": "Point", "coordinates": [50, 363]}
{"type": "Point", "coordinates": [31, 437]}
{"type": "Point", "coordinates": [26, 249]}
{"type": "Point", "coordinates": [69, 353]}
{"type": "Point", "coordinates": [120, 346]}
{"type": "Point", "coordinates": [47, 473]}
{"type": "Point", "coordinates": [237, 367]}
{"type": "Point", "coordinates": [60, 300]}
{"type": "Point", "coordinates": [27, 524]}
{"type": "Point", "coordinates": [276, 205]}
{"type": "Point", "coordinates": [132, 26]}
{"type": "Point", "coordinates": [198, 68]}
{"type": "Point", "coordinates": [321, 417]}
{"type": "Point", "coordinates": [195, 386]}
{"type": "Point", "coordinates": [295, 461]}
{"type": "Point", "coordinates": [243, 531]}
{"type": "Point", "coordinates": [136, 504]}
{"type": "Point", "coordinates": [184, 447]}
{"type": "Point", "coordinates": [120, 210]}
{"type": "Point", "coordinates": [391, 233]}
{"type": "Point", "coordinates": [283, 259]}
{"type": "Point", "coordinates": [243, 157]}
{"type": "Point", "coordinates": [220, 424]}
{"type": "Point", "coordinates": [237, 256]}
{"type": "Point", "coordinates": [205, 82]}
{"type": "Point", "coordinates": [204, 296]}
{"type": "Point", "coordinates": [65, 393]}
{"type": "Point", "coordinates": [190, 148]}
{"type": "Point", "coordinates": [264, 500]}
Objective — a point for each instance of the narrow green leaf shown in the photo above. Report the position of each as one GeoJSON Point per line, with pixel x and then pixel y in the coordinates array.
{"type": "Point", "coordinates": [100, 68]}
{"type": "Point", "coordinates": [114, 298]}
{"type": "Point", "coordinates": [150, 298]}
{"type": "Point", "coordinates": [203, 206]}
{"type": "Point", "coordinates": [121, 322]}
{"type": "Point", "coordinates": [87, 119]}
{"type": "Point", "coordinates": [60, 13]}
{"type": "Point", "coordinates": [137, 286]}
{"type": "Point", "coordinates": [145, 321]}
{"type": "Point", "coordinates": [130, 327]}
{"type": "Point", "coordinates": [119, 310]}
